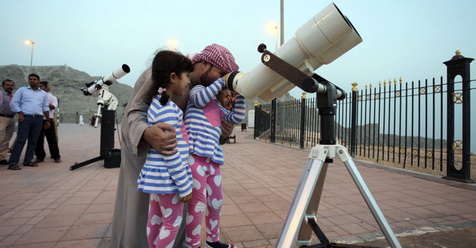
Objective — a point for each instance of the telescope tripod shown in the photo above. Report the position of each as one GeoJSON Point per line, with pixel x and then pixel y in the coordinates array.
{"type": "Point", "coordinates": [302, 216]}
{"type": "Point", "coordinates": [111, 156]}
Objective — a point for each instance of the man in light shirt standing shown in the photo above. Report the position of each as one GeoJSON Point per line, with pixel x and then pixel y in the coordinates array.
{"type": "Point", "coordinates": [31, 105]}
{"type": "Point", "coordinates": [49, 133]}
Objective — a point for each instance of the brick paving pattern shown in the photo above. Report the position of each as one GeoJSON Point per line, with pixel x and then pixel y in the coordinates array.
{"type": "Point", "coordinates": [51, 206]}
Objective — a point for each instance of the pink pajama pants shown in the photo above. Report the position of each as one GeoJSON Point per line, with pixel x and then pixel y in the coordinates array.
{"type": "Point", "coordinates": [165, 217]}
{"type": "Point", "coordinates": [206, 195]}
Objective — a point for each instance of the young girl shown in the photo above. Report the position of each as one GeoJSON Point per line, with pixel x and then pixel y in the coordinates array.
{"type": "Point", "coordinates": [167, 178]}
{"type": "Point", "coordinates": [203, 123]}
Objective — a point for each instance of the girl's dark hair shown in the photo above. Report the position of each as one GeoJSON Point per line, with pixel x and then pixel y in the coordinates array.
{"type": "Point", "coordinates": [164, 63]}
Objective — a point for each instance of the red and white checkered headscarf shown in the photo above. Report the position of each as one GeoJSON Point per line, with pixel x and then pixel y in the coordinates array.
{"type": "Point", "coordinates": [218, 56]}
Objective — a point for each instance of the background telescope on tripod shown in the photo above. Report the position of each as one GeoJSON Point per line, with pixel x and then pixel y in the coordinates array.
{"type": "Point", "coordinates": [321, 40]}
{"type": "Point", "coordinates": [107, 104]}
{"type": "Point", "coordinates": [106, 99]}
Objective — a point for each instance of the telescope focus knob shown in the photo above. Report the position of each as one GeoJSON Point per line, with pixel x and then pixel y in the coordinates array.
{"type": "Point", "coordinates": [261, 48]}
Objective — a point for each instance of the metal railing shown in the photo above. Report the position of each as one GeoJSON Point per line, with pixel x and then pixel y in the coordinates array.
{"type": "Point", "coordinates": [410, 125]}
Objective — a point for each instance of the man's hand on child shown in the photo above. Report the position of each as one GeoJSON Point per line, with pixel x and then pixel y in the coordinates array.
{"type": "Point", "coordinates": [162, 138]}
{"type": "Point", "coordinates": [227, 128]}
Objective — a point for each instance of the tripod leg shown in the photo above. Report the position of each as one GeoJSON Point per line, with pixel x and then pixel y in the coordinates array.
{"type": "Point", "coordinates": [78, 165]}
{"type": "Point", "coordinates": [305, 233]}
{"type": "Point", "coordinates": [371, 203]}
{"type": "Point", "coordinates": [305, 202]}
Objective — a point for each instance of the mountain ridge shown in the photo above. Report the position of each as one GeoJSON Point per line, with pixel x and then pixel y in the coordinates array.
{"type": "Point", "coordinates": [66, 85]}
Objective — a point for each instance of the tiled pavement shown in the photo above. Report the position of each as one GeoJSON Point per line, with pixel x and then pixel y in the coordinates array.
{"type": "Point", "coordinates": [51, 206]}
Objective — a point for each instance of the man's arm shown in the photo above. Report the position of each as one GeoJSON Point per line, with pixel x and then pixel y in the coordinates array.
{"type": "Point", "coordinates": [53, 103]}
{"type": "Point", "coordinates": [15, 102]}
{"type": "Point", "coordinates": [46, 125]}
{"type": "Point", "coordinates": [46, 105]}
{"type": "Point", "coordinates": [21, 117]}
{"type": "Point", "coordinates": [46, 110]}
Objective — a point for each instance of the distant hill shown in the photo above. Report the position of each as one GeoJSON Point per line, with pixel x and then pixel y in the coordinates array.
{"type": "Point", "coordinates": [66, 86]}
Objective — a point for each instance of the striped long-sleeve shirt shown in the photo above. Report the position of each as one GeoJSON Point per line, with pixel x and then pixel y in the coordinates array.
{"type": "Point", "coordinates": [203, 120]}
{"type": "Point", "coordinates": [163, 174]}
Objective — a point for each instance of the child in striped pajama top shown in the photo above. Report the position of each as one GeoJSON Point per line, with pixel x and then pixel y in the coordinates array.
{"type": "Point", "coordinates": [167, 178]}
{"type": "Point", "coordinates": [203, 122]}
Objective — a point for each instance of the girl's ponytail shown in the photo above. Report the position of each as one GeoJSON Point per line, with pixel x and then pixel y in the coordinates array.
{"type": "Point", "coordinates": [164, 97]}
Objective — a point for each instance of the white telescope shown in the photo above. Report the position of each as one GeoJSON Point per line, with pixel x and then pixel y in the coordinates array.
{"type": "Point", "coordinates": [104, 96]}
{"type": "Point", "coordinates": [116, 74]}
{"type": "Point", "coordinates": [321, 40]}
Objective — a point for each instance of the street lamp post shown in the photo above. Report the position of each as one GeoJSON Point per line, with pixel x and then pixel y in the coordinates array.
{"type": "Point", "coordinates": [32, 43]}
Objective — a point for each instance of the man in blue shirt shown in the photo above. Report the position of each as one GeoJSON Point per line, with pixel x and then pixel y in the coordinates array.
{"type": "Point", "coordinates": [31, 104]}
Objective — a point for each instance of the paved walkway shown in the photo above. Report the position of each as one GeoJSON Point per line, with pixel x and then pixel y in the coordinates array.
{"type": "Point", "coordinates": [51, 206]}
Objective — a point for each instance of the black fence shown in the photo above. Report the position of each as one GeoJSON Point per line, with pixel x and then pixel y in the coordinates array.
{"type": "Point", "coordinates": [418, 125]}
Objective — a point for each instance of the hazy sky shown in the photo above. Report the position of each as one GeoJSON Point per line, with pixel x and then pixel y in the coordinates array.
{"type": "Point", "coordinates": [408, 39]}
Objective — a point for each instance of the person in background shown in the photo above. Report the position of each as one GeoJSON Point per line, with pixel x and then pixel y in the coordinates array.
{"type": "Point", "coordinates": [81, 119]}
{"type": "Point", "coordinates": [49, 133]}
{"type": "Point", "coordinates": [31, 105]}
{"type": "Point", "coordinates": [7, 122]}
{"type": "Point", "coordinates": [130, 213]}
